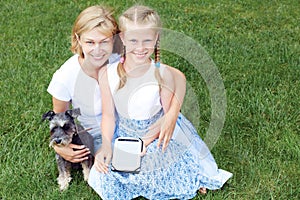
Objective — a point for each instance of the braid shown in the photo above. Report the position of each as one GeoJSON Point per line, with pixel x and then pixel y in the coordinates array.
{"type": "Point", "coordinates": [157, 63]}
{"type": "Point", "coordinates": [121, 70]}
{"type": "Point", "coordinates": [122, 75]}
{"type": "Point", "coordinates": [139, 15]}
{"type": "Point", "coordinates": [157, 53]}
{"type": "Point", "coordinates": [147, 13]}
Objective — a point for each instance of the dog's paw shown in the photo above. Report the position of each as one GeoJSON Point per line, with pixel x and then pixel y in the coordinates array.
{"type": "Point", "coordinates": [86, 172]}
{"type": "Point", "coordinates": [63, 182]}
{"type": "Point", "coordinates": [63, 187]}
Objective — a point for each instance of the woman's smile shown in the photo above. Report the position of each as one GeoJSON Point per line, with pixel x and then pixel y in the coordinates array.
{"type": "Point", "coordinates": [98, 57]}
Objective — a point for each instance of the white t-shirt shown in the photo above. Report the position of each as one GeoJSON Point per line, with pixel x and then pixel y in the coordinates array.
{"type": "Point", "coordinates": [71, 83]}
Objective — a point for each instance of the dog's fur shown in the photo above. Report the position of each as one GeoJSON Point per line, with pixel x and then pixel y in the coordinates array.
{"type": "Point", "coordinates": [64, 131]}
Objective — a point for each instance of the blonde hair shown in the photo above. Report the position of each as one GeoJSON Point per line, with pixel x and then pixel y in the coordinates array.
{"type": "Point", "coordinates": [140, 15]}
{"type": "Point", "coordinates": [92, 17]}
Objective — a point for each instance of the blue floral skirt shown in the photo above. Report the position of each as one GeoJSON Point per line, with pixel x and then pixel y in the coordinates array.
{"type": "Point", "coordinates": [178, 173]}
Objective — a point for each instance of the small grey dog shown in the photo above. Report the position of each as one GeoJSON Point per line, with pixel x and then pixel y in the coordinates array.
{"type": "Point", "coordinates": [63, 131]}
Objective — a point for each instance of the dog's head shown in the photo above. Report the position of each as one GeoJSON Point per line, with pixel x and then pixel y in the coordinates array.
{"type": "Point", "coordinates": [62, 126]}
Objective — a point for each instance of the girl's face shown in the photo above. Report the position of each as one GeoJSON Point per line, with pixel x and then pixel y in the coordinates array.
{"type": "Point", "coordinates": [139, 44]}
{"type": "Point", "coordinates": [96, 47]}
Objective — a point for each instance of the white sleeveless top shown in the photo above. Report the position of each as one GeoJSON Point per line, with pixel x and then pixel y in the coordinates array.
{"type": "Point", "coordinates": [139, 99]}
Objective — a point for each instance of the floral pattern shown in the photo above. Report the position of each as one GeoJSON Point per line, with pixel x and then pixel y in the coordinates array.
{"type": "Point", "coordinates": [177, 173]}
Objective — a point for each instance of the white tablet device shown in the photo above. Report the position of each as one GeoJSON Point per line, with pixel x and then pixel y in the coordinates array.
{"type": "Point", "coordinates": [127, 154]}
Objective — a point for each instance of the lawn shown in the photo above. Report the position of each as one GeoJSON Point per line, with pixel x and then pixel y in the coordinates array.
{"type": "Point", "coordinates": [253, 45]}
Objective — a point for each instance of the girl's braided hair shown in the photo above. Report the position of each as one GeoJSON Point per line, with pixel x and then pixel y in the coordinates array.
{"type": "Point", "coordinates": [141, 15]}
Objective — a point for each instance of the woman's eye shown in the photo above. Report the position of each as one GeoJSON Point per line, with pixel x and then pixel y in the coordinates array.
{"type": "Point", "coordinates": [89, 42]}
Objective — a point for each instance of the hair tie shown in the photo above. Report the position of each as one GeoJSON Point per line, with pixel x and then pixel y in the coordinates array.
{"type": "Point", "coordinates": [122, 59]}
{"type": "Point", "coordinates": [123, 56]}
{"type": "Point", "coordinates": [157, 64]}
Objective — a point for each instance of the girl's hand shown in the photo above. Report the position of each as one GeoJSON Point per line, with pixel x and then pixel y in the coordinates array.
{"type": "Point", "coordinates": [166, 131]}
{"type": "Point", "coordinates": [75, 156]}
{"type": "Point", "coordinates": [103, 159]}
{"type": "Point", "coordinates": [162, 130]}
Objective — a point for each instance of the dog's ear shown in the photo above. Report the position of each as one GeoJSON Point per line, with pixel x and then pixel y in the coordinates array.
{"type": "Point", "coordinates": [48, 115]}
{"type": "Point", "coordinates": [74, 112]}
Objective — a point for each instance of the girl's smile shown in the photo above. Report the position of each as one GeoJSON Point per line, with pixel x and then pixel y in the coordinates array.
{"type": "Point", "coordinates": [139, 43]}
{"type": "Point", "coordinates": [140, 55]}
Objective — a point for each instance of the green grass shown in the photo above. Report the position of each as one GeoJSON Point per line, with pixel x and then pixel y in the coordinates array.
{"type": "Point", "coordinates": [254, 44]}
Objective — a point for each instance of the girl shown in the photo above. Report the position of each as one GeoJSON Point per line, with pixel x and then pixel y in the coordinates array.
{"type": "Point", "coordinates": [141, 90]}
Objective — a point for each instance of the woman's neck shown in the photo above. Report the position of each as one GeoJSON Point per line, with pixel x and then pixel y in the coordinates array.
{"type": "Point", "coordinates": [89, 69]}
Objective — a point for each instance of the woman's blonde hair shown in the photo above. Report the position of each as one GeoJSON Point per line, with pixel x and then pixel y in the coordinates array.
{"type": "Point", "coordinates": [93, 17]}
{"type": "Point", "coordinates": [140, 15]}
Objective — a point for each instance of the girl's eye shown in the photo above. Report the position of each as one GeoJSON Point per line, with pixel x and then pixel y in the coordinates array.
{"type": "Point", "coordinates": [133, 41]}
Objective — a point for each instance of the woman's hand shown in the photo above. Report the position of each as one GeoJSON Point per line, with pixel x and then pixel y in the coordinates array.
{"type": "Point", "coordinates": [75, 156]}
{"type": "Point", "coordinates": [103, 158]}
{"type": "Point", "coordinates": [68, 152]}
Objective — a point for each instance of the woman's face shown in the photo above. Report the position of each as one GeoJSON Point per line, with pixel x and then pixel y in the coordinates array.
{"type": "Point", "coordinates": [96, 47]}
{"type": "Point", "coordinates": [139, 44]}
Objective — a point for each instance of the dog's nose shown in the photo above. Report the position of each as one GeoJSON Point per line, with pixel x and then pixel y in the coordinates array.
{"type": "Point", "coordinates": [57, 141]}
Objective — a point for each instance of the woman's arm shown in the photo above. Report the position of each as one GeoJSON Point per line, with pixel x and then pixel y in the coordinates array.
{"type": "Point", "coordinates": [104, 154]}
{"type": "Point", "coordinates": [67, 152]}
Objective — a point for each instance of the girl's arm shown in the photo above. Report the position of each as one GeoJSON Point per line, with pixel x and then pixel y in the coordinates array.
{"type": "Point", "coordinates": [168, 122]}
{"type": "Point", "coordinates": [163, 129]}
{"type": "Point", "coordinates": [166, 93]}
{"type": "Point", "coordinates": [104, 154]}
{"type": "Point", "coordinates": [67, 152]}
